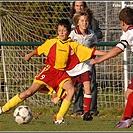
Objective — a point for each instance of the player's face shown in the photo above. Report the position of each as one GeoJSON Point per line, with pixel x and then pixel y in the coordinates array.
{"type": "Point", "coordinates": [83, 23]}
{"type": "Point", "coordinates": [78, 6]}
{"type": "Point", "coordinates": [63, 32]}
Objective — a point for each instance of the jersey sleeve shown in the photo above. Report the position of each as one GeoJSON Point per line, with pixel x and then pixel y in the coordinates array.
{"type": "Point", "coordinates": [44, 48]}
{"type": "Point", "coordinates": [83, 52]}
{"type": "Point", "coordinates": [126, 40]}
{"type": "Point", "coordinates": [123, 42]}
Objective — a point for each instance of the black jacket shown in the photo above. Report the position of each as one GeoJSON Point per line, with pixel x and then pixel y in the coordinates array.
{"type": "Point", "coordinates": [95, 27]}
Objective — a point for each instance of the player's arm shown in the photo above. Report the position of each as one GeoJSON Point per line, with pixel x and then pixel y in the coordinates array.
{"type": "Point", "coordinates": [99, 52]}
{"type": "Point", "coordinates": [112, 53]}
{"type": "Point", "coordinates": [28, 56]}
{"type": "Point", "coordinates": [38, 51]}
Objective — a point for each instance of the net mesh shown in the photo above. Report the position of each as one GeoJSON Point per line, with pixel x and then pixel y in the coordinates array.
{"type": "Point", "coordinates": [36, 22]}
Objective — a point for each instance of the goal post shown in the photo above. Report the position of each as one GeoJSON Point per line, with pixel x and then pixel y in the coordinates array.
{"type": "Point", "coordinates": [3, 62]}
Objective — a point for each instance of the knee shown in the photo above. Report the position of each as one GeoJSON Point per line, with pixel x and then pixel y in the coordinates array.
{"type": "Point", "coordinates": [71, 91]}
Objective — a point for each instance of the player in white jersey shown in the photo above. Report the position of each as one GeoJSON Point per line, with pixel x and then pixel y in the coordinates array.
{"type": "Point", "coordinates": [81, 73]}
{"type": "Point", "coordinates": [88, 40]}
{"type": "Point", "coordinates": [126, 41]}
{"type": "Point", "coordinates": [76, 6]}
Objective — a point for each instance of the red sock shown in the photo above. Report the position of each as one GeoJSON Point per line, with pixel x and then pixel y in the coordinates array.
{"type": "Point", "coordinates": [128, 111]}
{"type": "Point", "coordinates": [87, 102]}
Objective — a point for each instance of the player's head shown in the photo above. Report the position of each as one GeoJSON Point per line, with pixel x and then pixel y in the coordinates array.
{"type": "Point", "coordinates": [64, 29]}
{"type": "Point", "coordinates": [77, 6]}
{"type": "Point", "coordinates": [126, 17]}
{"type": "Point", "coordinates": [81, 20]}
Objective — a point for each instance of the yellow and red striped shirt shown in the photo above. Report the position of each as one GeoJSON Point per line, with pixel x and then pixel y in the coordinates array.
{"type": "Point", "coordinates": [64, 55]}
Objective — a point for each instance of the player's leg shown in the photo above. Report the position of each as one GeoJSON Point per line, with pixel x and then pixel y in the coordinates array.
{"type": "Point", "coordinates": [87, 96]}
{"type": "Point", "coordinates": [127, 115]}
{"type": "Point", "coordinates": [21, 97]}
{"type": "Point", "coordinates": [128, 111]}
{"type": "Point", "coordinates": [79, 97]}
{"type": "Point", "coordinates": [70, 89]}
{"type": "Point", "coordinates": [87, 101]}
{"type": "Point", "coordinates": [85, 79]}
{"type": "Point", "coordinates": [129, 97]}
{"type": "Point", "coordinates": [93, 108]}
{"type": "Point", "coordinates": [126, 120]}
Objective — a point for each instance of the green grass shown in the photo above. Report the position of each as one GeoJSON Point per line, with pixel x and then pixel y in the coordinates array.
{"type": "Point", "coordinates": [43, 118]}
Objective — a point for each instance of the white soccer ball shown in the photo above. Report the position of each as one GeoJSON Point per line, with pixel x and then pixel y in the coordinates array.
{"type": "Point", "coordinates": [23, 114]}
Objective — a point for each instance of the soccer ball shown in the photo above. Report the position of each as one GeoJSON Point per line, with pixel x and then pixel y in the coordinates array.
{"type": "Point", "coordinates": [23, 114]}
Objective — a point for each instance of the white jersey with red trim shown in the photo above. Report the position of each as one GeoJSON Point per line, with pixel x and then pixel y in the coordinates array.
{"type": "Point", "coordinates": [126, 40]}
{"type": "Point", "coordinates": [87, 40]}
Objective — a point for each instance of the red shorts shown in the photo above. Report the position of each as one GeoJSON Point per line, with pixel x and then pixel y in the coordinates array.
{"type": "Point", "coordinates": [86, 76]}
{"type": "Point", "coordinates": [130, 85]}
{"type": "Point", "coordinates": [52, 78]}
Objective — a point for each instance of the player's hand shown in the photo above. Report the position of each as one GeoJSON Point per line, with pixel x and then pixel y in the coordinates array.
{"type": "Point", "coordinates": [55, 98]}
{"type": "Point", "coordinates": [27, 57]}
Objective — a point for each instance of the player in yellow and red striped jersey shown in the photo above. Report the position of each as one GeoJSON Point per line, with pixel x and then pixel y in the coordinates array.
{"type": "Point", "coordinates": [62, 54]}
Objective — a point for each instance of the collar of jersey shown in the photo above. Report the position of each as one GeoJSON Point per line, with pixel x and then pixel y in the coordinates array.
{"type": "Point", "coordinates": [130, 27]}
{"type": "Point", "coordinates": [77, 30]}
{"type": "Point", "coordinates": [63, 42]}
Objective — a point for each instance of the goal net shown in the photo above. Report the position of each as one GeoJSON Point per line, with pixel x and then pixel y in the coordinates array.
{"type": "Point", "coordinates": [24, 22]}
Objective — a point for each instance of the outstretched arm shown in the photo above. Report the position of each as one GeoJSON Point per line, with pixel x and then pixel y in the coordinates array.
{"type": "Point", "coordinates": [28, 56]}
{"type": "Point", "coordinates": [99, 52]}
{"type": "Point", "coordinates": [112, 53]}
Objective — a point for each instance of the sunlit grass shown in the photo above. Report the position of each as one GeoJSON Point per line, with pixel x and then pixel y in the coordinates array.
{"type": "Point", "coordinates": [43, 121]}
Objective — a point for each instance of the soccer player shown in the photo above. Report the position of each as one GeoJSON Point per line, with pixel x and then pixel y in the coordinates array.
{"type": "Point", "coordinates": [62, 54]}
{"type": "Point", "coordinates": [79, 96]}
{"type": "Point", "coordinates": [126, 40]}
{"type": "Point", "coordinates": [81, 73]}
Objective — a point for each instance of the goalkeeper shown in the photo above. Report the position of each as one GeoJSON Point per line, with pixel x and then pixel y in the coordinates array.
{"type": "Point", "coordinates": [62, 54]}
{"type": "Point", "coordinates": [126, 40]}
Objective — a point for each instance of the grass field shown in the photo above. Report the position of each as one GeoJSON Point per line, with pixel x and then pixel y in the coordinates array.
{"type": "Point", "coordinates": [43, 121]}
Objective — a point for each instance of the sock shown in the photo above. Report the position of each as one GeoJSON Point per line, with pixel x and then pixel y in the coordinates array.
{"type": "Point", "coordinates": [87, 102]}
{"type": "Point", "coordinates": [128, 111]}
{"type": "Point", "coordinates": [63, 109]}
{"type": "Point", "coordinates": [11, 103]}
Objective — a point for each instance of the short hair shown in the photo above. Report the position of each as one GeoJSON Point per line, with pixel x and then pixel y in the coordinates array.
{"type": "Point", "coordinates": [77, 16]}
{"type": "Point", "coordinates": [126, 15]}
{"type": "Point", "coordinates": [66, 23]}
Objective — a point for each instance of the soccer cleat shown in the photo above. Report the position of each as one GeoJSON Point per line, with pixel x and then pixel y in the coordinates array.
{"type": "Point", "coordinates": [59, 121]}
{"type": "Point", "coordinates": [87, 117]}
{"type": "Point", "coordinates": [1, 110]}
{"type": "Point", "coordinates": [123, 124]}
